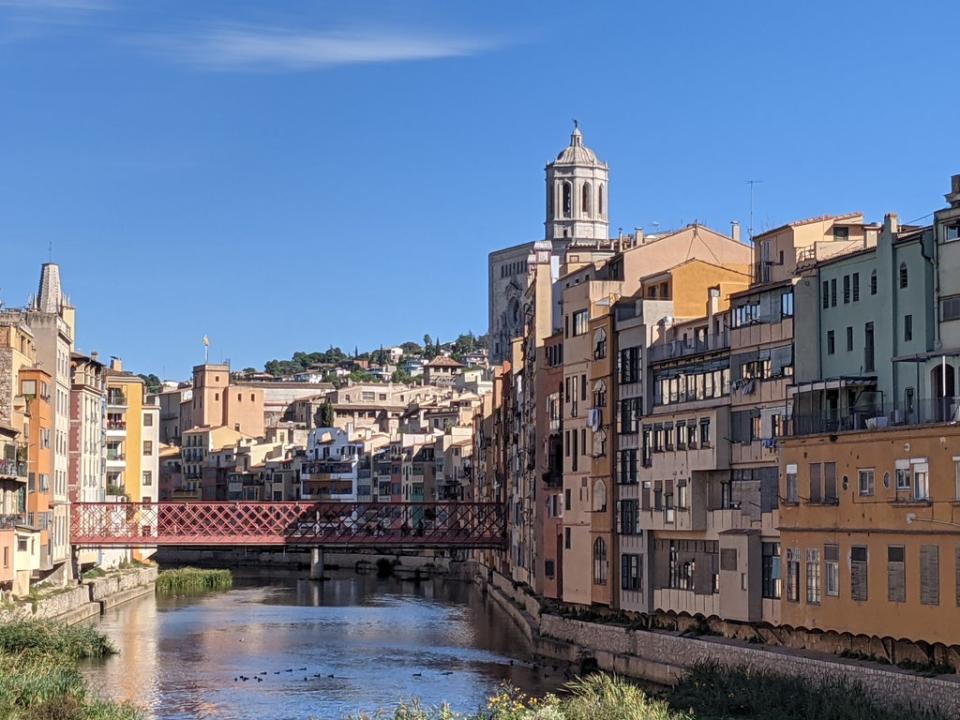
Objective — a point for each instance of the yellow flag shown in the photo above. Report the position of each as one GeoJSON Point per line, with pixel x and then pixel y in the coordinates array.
{"type": "Point", "coordinates": [206, 341]}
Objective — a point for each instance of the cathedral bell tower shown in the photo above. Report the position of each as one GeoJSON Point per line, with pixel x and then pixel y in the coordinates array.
{"type": "Point", "coordinates": [576, 194]}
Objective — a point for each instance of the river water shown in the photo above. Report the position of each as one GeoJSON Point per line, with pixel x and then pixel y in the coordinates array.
{"type": "Point", "coordinates": [314, 650]}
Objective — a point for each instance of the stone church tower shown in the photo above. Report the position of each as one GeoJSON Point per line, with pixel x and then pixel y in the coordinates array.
{"type": "Point", "coordinates": [576, 211]}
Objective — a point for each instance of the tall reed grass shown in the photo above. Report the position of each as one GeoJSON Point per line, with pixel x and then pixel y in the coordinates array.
{"type": "Point", "coordinates": [193, 581]}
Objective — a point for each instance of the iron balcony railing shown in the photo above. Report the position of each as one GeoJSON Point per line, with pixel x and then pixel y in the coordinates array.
{"type": "Point", "coordinates": [690, 346]}
{"type": "Point", "coordinates": [12, 468]}
{"type": "Point", "coordinates": [926, 411]}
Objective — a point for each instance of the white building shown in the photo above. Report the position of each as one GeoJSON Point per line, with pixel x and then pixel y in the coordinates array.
{"type": "Point", "coordinates": [330, 470]}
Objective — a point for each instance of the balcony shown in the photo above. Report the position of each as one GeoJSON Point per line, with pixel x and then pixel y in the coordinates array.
{"type": "Point", "coordinates": [11, 521]}
{"type": "Point", "coordinates": [116, 427]}
{"type": "Point", "coordinates": [690, 346]}
{"type": "Point", "coordinates": [929, 411]}
{"type": "Point", "coordinates": [116, 399]}
{"type": "Point", "coordinates": [13, 469]}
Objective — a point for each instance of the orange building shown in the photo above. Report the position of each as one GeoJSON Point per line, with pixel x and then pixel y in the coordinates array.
{"type": "Point", "coordinates": [870, 531]}
{"type": "Point", "coordinates": [36, 387]}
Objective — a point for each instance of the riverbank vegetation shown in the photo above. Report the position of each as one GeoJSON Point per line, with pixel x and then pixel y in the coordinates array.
{"type": "Point", "coordinates": [39, 679]}
{"type": "Point", "coordinates": [708, 692]}
{"type": "Point", "coordinates": [193, 581]}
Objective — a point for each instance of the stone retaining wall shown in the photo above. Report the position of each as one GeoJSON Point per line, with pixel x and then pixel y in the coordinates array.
{"type": "Point", "coordinates": [86, 600]}
{"type": "Point", "coordinates": [662, 657]}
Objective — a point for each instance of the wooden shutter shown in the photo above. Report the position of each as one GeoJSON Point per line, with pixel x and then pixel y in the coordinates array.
{"type": "Point", "coordinates": [645, 499]}
{"type": "Point", "coordinates": [728, 559]}
{"type": "Point", "coordinates": [930, 574]}
{"type": "Point", "coordinates": [858, 573]}
{"type": "Point", "coordinates": [957, 572]}
{"type": "Point", "coordinates": [896, 574]}
{"type": "Point", "coordinates": [829, 481]}
{"type": "Point", "coordinates": [815, 484]}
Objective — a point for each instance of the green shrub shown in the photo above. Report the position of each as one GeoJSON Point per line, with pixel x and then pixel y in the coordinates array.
{"type": "Point", "coordinates": [73, 642]}
{"type": "Point", "coordinates": [193, 581]}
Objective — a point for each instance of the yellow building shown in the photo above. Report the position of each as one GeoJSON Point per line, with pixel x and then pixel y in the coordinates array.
{"type": "Point", "coordinates": [870, 530]}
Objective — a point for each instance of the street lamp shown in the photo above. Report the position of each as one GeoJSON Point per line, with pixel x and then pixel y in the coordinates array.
{"type": "Point", "coordinates": [912, 518]}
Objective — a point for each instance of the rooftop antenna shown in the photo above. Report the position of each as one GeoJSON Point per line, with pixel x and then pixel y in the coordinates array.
{"type": "Point", "coordinates": [751, 183]}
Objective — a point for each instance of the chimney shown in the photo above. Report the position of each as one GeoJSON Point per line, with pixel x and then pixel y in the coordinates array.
{"type": "Point", "coordinates": [116, 364]}
{"type": "Point", "coordinates": [637, 236]}
{"type": "Point", "coordinates": [94, 355]}
{"type": "Point", "coordinates": [953, 197]}
{"type": "Point", "coordinates": [891, 223]}
{"type": "Point", "coordinates": [735, 230]}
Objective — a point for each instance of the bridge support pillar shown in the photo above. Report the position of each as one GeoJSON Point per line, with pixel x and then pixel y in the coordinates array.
{"type": "Point", "coordinates": [316, 564]}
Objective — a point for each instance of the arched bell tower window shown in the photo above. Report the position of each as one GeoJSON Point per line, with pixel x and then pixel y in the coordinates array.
{"type": "Point", "coordinates": [567, 200]}
{"type": "Point", "coordinates": [600, 200]}
{"type": "Point", "coordinates": [585, 199]}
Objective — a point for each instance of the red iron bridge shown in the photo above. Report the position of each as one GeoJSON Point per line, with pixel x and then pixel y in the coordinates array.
{"type": "Point", "coordinates": [454, 525]}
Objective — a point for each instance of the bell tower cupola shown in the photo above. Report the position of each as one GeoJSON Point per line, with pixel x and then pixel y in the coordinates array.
{"type": "Point", "coordinates": [576, 193]}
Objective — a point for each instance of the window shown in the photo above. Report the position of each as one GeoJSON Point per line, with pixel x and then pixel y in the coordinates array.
{"type": "Point", "coordinates": [566, 443]}
{"type": "Point", "coordinates": [581, 322]}
{"type": "Point", "coordinates": [833, 292]}
{"type": "Point", "coordinates": [567, 200]}
{"type": "Point", "coordinates": [566, 537]}
{"type": "Point", "coordinates": [147, 420]}
{"type": "Point", "coordinates": [567, 495]}
{"type": "Point", "coordinates": [849, 338]}
{"type": "Point", "coordinates": [868, 359]}
{"type": "Point", "coordinates": [681, 435]}
{"type": "Point", "coordinates": [791, 483]}
{"type": "Point", "coordinates": [896, 574]}
{"type": "Point", "coordinates": [956, 477]}
{"type": "Point", "coordinates": [704, 432]}
{"type": "Point", "coordinates": [599, 394]}
{"type": "Point", "coordinates": [813, 576]}
{"type": "Point", "coordinates": [630, 416]}
{"type": "Point", "coordinates": [599, 496]}
{"type": "Point", "coordinates": [148, 447]}
{"type": "Point", "coordinates": [793, 574]}
{"type": "Point", "coordinates": [950, 308]}
{"type": "Point", "coordinates": [771, 582]}
{"type": "Point", "coordinates": [951, 232]}
{"type": "Point", "coordinates": [929, 574]}
{"type": "Point", "coordinates": [830, 482]}
{"type": "Point", "coordinates": [548, 568]}
{"type": "Point", "coordinates": [856, 287]}
{"type": "Point", "coordinates": [865, 482]}
{"type": "Point", "coordinates": [841, 234]}
{"type": "Point", "coordinates": [583, 387]}
{"type": "Point", "coordinates": [816, 482]}
{"type": "Point", "coordinates": [825, 295]}
{"type": "Point", "coordinates": [873, 282]}
{"type": "Point", "coordinates": [585, 199]}
{"type": "Point", "coordinates": [627, 467]}
{"type": "Point", "coordinates": [628, 519]}
{"type": "Point", "coordinates": [630, 572]}
{"type": "Point", "coordinates": [830, 343]}
{"type": "Point", "coordinates": [599, 561]}
{"type": "Point", "coordinates": [831, 562]}
{"type": "Point", "coordinates": [600, 200]}
{"type": "Point", "coordinates": [903, 474]}
{"type": "Point", "coordinates": [599, 344]}
{"type": "Point", "coordinates": [846, 289]}
{"type": "Point", "coordinates": [907, 328]}
{"type": "Point", "coordinates": [147, 478]}
{"type": "Point", "coordinates": [858, 573]}
{"type": "Point", "coordinates": [786, 304]}
{"type": "Point", "coordinates": [629, 365]}
{"type": "Point", "coordinates": [921, 481]}
{"type": "Point", "coordinates": [904, 276]}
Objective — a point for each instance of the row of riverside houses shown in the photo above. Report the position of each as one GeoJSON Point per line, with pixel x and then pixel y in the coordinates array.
{"type": "Point", "coordinates": [72, 429]}
{"type": "Point", "coordinates": [688, 425]}
{"type": "Point", "coordinates": [226, 438]}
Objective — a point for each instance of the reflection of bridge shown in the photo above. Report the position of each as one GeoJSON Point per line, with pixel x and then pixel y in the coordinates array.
{"type": "Point", "coordinates": [325, 524]}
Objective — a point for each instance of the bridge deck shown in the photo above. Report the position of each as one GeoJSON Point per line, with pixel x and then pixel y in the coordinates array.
{"type": "Point", "coordinates": [436, 525]}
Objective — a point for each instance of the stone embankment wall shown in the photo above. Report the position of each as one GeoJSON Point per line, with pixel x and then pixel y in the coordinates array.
{"type": "Point", "coordinates": [87, 600]}
{"type": "Point", "coordinates": [662, 657]}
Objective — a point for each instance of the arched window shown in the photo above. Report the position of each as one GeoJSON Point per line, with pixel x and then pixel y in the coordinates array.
{"type": "Point", "coordinates": [873, 283]}
{"type": "Point", "coordinates": [904, 279]}
{"type": "Point", "coordinates": [599, 496]}
{"type": "Point", "coordinates": [599, 561]}
{"type": "Point", "coordinates": [585, 199]}
{"type": "Point", "coordinates": [600, 200]}
{"type": "Point", "coordinates": [599, 398]}
{"type": "Point", "coordinates": [567, 200]}
{"type": "Point", "coordinates": [599, 344]}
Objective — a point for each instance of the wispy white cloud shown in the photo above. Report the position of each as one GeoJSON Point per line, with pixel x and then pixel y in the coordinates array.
{"type": "Point", "coordinates": [277, 49]}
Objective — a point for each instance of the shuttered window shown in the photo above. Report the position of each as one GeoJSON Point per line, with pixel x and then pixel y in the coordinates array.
{"type": "Point", "coordinates": [831, 559]}
{"type": "Point", "coordinates": [858, 573]}
{"type": "Point", "coordinates": [930, 574]}
{"type": "Point", "coordinates": [728, 559]}
{"type": "Point", "coordinates": [830, 482]}
{"type": "Point", "coordinates": [896, 574]}
{"type": "Point", "coordinates": [957, 572]}
{"type": "Point", "coordinates": [815, 483]}
{"type": "Point", "coordinates": [813, 576]}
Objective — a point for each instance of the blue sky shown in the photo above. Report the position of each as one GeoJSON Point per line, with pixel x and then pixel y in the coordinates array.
{"type": "Point", "coordinates": [284, 176]}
